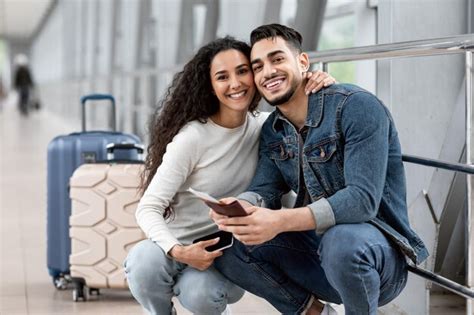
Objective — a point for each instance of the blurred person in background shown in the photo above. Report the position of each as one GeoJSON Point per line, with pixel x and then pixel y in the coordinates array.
{"type": "Point", "coordinates": [24, 85]}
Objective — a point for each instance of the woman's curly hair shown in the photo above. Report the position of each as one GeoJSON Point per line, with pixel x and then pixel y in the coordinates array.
{"type": "Point", "coordinates": [189, 97]}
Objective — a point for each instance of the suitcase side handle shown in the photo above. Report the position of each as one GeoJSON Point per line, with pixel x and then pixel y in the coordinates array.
{"type": "Point", "coordinates": [98, 97]}
{"type": "Point", "coordinates": [111, 147]}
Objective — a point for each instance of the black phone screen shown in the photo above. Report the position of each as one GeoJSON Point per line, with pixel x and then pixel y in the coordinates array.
{"type": "Point", "coordinates": [225, 240]}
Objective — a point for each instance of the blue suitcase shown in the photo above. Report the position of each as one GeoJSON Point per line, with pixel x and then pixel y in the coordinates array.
{"type": "Point", "coordinates": [65, 154]}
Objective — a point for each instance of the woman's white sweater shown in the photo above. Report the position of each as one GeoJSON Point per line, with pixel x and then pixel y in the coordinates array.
{"type": "Point", "coordinates": [205, 157]}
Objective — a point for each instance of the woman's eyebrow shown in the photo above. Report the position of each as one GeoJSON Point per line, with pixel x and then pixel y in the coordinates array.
{"type": "Point", "coordinates": [220, 72]}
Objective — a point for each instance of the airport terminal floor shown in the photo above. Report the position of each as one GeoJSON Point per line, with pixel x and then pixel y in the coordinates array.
{"type": "Point", "coordinates": [25, 286]}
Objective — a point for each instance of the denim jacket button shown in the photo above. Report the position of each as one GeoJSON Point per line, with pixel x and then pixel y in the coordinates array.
{"type": "Point", "coordinates": [322, 154]}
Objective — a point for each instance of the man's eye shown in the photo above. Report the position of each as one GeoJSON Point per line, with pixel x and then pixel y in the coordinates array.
{"type": "Point", "coordinates": [278, 60]}
{"type": "Point", "coordinates": [257, 68]}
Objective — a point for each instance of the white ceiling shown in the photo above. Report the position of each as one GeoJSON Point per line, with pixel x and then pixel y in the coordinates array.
{"type": "Point", "coordinates": [19, 19]}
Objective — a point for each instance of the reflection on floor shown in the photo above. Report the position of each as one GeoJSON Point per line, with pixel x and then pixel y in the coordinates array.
{"type": "Point", "coordinates": [25, 287]}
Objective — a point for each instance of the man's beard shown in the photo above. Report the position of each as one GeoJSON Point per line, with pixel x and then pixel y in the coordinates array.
{"type": "Point", "coordinates": [285, 97]}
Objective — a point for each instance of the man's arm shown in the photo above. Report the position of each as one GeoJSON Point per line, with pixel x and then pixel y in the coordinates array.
{"type": "Point", "coordinates": [365, 126]}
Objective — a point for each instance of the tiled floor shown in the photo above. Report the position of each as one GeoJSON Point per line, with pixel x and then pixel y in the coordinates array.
{"type": "Point", "coordinates": [25, 287]}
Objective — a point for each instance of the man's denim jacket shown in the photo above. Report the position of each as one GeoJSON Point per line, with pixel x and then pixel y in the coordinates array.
{"type": "Point", "coordinates": [351, 164]}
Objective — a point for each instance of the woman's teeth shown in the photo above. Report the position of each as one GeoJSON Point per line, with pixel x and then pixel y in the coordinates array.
{"type": "Point", "coordinates": [237, 95]}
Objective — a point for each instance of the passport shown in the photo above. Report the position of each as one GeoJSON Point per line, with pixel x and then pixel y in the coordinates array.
{"type": "Point", "coordinates": [233, 209]}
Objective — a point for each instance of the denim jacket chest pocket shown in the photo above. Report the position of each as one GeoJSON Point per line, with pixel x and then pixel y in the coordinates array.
{"type": "Point", "coordinates": [284, 155]}
{"type": "Point", "coordinates": [325, 160]}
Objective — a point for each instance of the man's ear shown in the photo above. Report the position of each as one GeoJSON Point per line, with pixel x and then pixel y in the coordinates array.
{"type": "Point", "coordinates": [303, 60]}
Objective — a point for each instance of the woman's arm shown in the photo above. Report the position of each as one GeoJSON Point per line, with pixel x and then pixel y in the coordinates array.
{"type": "Point", "coordinates": [178, 163]}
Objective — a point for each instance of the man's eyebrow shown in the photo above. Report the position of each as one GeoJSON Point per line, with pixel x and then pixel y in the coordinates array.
{"type": "Point", "coordinates": [269, 55]}
{"type": "Point", "coordinates": [273, 53]}
{"type": "Point", "coordinates": [256, 60]}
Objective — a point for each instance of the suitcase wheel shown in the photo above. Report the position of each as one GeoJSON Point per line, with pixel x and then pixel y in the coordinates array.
{"type": "Point", "coordinates": [94, 291]}
{"type": "Point", "coordinates": [60, 282]}
{"type": "Point", "coordinates": [79, 293]}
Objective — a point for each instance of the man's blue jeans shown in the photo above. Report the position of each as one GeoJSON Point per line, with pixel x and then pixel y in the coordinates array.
{"type": "Point", "coordinates": [352, 264]}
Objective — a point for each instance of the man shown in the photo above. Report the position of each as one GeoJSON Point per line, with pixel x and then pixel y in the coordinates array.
{"type": "Point", "coordinates": [347, 237]}
{"type": "Point", "coordinates": [23, 83]}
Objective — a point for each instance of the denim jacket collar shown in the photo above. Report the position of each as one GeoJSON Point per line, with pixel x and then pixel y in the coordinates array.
{"type": "Point", "coordinates": [313, 117]}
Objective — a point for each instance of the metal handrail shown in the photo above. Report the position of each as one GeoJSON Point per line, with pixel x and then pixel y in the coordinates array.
{"type": "Point", "coordinates": [429, 47]}
{"type": "Point", "coordinates": [446, 283]}
{"type": "Point", "coordinates": [442, 281]}
{"type": "Point", "coordinates": [457, 167]}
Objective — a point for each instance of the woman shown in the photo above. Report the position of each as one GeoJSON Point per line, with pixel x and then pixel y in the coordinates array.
{"type": "Point", "coordinates": [206, 138]}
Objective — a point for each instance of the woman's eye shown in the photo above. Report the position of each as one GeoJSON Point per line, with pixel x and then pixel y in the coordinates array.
{"type": "Point", "coordinates": [243, 71]}
{"type": "Point", "coordinates": [221, 77]}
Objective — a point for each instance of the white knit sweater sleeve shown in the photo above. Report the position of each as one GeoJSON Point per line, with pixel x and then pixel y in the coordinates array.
{"type": "Point", "coordinates": [182, 153]}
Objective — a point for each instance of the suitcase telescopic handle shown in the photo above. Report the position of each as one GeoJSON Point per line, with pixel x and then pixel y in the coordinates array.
{"type": "Point", "coordinates": [111, 147]}
{"type": "Point", "coordinates": [98, 97]}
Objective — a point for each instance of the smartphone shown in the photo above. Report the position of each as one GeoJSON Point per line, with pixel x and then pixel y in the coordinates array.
{"type": "Point", "coordinates": [225, 240]}
{"type": "Point", "coordinates": [234, 209]}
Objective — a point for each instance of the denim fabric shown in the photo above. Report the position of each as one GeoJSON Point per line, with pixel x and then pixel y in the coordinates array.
{"type": "Point", "coordinates": [357, 259]}
{"type": "Point", "coordinates": [351, 164]}
{"type": "Point", "coordinates": [154, 278]}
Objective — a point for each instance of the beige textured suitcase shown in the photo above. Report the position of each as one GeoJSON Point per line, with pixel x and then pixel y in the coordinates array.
{"type": "Point", "coordinates": [102, 224]}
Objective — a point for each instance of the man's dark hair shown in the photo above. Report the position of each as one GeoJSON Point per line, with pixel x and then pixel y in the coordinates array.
{"type": "Point", "coordinates": [274, 30]}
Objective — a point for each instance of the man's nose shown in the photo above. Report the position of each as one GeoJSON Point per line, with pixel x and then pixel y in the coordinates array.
{"type": "Point", "coordinates": [268, 71]}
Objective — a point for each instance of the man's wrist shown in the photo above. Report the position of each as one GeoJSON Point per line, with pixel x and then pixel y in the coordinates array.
{"type": "Point", "coordinates": [281, 223]}
{"type": "Point", "coordinates": [298, 219]}
{"type": "Point", "coordinates": [253, 198]}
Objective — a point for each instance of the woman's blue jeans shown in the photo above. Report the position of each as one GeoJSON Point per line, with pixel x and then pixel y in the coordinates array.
{"type": "Point", "coordinates": [154, 278]}
{"type": "Point", "coordinates": [353, 264]}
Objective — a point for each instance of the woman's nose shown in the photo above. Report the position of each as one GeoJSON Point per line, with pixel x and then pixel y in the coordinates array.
{"type": "Point", "coordinates": [235, 83]}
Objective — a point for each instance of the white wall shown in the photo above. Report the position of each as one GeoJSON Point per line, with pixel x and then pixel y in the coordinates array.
{"type": "Point", "coordinates": [47, 51]}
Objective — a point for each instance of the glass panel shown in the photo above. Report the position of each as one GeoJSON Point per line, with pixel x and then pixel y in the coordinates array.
{"type": "Point", "coordinates": [288, 12]}
{"type": "Point", "coordinates": [338, 32]}
{"type": "Point", "coordinates": [199, 17]}
{"type": "Point", "coordinates": [3, 56]}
